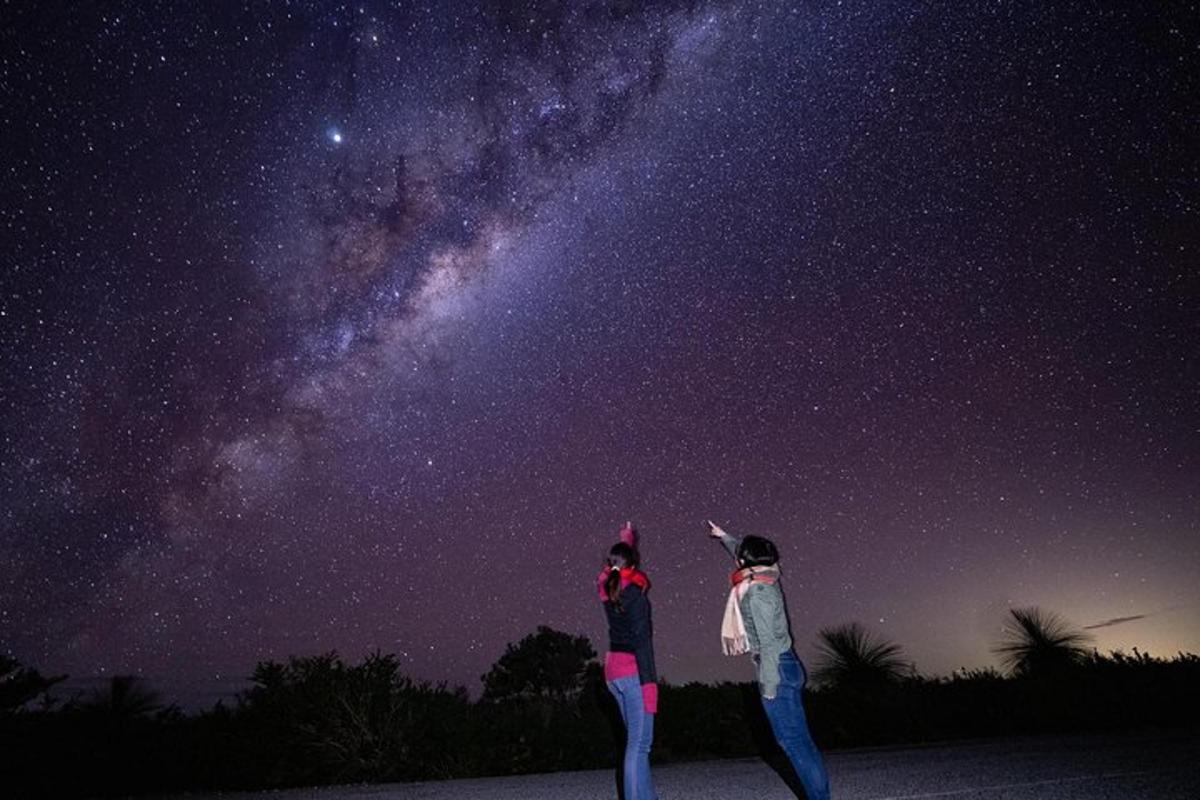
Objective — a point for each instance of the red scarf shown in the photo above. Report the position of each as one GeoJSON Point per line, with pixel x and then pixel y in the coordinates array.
{"type": "Point", "coordinates": [635, 576]}
{"type": "Point", "coordinates": [628, 575]}
{"type": "Point", "coordinates": [766, 575]}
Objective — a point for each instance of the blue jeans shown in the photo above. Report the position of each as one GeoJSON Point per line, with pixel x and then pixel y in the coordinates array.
{"type": "Point", "coordinates": [639, 735]}
{"type": "Point", "coordinates": [786, 714]}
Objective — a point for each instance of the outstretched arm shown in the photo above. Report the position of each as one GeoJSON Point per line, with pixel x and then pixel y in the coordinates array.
{"type": "Point", "coordinates": [730, 543]}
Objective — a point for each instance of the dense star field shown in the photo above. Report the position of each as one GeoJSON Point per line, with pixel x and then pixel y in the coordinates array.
{"type": "Point", "coordinates": [356, 326]}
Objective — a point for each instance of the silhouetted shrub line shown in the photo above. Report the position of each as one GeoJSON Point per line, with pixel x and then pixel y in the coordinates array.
{"type": "Point", "coordinates": [319, 720]}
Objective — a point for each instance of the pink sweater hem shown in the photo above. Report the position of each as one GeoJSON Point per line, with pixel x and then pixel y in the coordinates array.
{"type": "Point", "coordinates": [619, 665]}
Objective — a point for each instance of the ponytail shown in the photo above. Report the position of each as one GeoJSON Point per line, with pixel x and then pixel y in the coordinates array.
{"type": "Point", "coordinates": [612, 585]}
{"type": "Point", "coordinates": [620, 555]}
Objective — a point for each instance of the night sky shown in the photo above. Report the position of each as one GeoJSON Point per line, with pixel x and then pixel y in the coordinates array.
{"type": "Point", "coordinates": [355, 326]}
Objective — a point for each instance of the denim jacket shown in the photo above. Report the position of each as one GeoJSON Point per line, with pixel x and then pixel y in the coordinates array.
{"type": "Point", "coordinates": [765, 615]}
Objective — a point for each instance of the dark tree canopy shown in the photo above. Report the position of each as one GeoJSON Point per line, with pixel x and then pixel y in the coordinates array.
{"type": "Point", "coordinates": [548, 664]}
{"type": "Point", "coordinates": [21, 685]}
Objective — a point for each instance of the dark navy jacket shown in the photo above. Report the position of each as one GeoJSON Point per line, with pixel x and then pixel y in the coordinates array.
{"type": "Point", "coordinates": [630, 630]}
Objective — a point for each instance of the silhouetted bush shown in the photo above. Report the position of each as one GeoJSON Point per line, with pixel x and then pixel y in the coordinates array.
{"type": "Point", "coordinates": [318, 720]}
{"type": "Point", "coordinates": [21, 686]}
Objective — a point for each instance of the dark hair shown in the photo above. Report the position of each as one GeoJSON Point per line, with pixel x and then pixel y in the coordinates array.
{"type": "Point", "coordinates": [620, 555]}
{"type": "Point", "coordinates": [755, 551]}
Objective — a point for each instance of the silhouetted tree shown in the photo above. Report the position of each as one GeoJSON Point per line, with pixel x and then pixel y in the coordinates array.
{"type": "Point", "coordinates": [852, 657]}
{"type": "Point", "coordinates": [1038, 643]}
{"type": "Point", "coordinates": [537, 706]}
{"type": "Point", "coordinates": [549, 665]}
{"type": "Point", "coordinates": [20, 685]}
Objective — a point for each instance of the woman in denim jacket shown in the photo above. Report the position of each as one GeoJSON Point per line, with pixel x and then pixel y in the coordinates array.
{"type": "Point", "coordinates": [756, 622]}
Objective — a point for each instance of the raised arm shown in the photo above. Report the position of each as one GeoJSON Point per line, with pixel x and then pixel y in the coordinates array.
{"type": "Point", "coordinates": [729, 542]}
{"type": "Point", "coordinates": [629, 535]}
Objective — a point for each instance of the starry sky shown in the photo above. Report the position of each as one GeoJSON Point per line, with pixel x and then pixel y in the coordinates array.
{"type": "Point", "coordinates": [357, 326]}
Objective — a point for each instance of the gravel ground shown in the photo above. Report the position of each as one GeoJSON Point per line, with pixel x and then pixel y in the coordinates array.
{"type": "Point", "coordinates": [1141, 767]}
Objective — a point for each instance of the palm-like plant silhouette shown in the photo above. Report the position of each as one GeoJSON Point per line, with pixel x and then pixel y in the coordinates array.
{"type": "Point", "coordinates": [850, 656]}
{"type": "Point", "coordinates": [1039, 643]}
{"type": "Point", "coordinates": [126, 697]}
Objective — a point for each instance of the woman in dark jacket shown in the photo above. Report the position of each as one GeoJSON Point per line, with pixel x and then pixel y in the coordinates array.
{"type": "Point", "coordinates": [629, 663]}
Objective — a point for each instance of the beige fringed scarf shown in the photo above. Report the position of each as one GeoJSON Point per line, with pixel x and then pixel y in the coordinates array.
{"type": "Point", "coordinates": [733, 627]}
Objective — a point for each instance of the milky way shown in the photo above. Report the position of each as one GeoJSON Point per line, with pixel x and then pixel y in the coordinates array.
{"type": "Point", "coordinates": [352, 326]}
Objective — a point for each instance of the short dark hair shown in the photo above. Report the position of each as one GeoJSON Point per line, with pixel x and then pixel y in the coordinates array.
{"type": "Point", "coordinates": [755, 551]}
